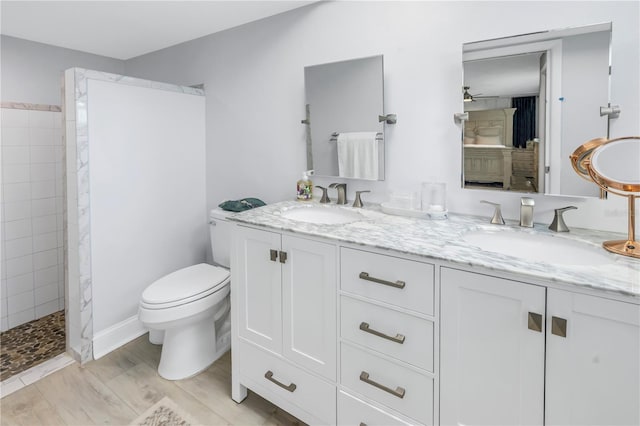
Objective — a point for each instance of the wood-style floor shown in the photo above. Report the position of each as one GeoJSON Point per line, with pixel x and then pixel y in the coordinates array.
{"type": "Point", "coordinates": [119, 387]}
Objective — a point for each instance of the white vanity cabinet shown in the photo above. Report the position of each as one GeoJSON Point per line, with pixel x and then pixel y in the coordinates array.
{"type": "Point", "coordinates": [344, 333]}
{"type": "Point", "coordinates": [284, 297]}
{"type": "Point", "coordinates": [496, 336]}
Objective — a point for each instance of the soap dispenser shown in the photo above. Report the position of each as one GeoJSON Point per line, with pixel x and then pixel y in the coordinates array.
{"type": "Point", "coordinates": [305, 187]}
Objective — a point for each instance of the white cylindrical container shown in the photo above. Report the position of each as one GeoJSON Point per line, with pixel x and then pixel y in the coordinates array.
{"type": "Point", "coordinates": [434, 199]}
{"type": "Point", "coordinates": [220, 234]}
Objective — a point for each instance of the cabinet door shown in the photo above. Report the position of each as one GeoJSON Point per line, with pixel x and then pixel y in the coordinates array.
{"type": "Point", "coordinates": [491, 362]}
{"type": "Point", "coordinates": [257, 281]}
{"type": "Point", "coordinates": [309, 304]}
{"type": "Point", "coordinates": [593, 369]}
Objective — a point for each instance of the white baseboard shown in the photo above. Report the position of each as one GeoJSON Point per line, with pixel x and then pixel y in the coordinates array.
{"type": "Point", "coordinates": [117, 335]}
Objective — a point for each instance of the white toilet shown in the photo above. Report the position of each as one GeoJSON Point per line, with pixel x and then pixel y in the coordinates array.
{"type": "Point", "coordinates": [187, 311]}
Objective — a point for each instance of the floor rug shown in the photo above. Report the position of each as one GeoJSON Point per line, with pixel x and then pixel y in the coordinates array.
{"type": "Point", "coordinates": [164, 413]}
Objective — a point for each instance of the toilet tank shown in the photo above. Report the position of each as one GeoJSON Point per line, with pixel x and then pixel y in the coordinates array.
{"type": "Point", "coordinates": [220, 234]}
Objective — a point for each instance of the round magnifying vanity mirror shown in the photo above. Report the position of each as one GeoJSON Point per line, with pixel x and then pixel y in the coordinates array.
{"type": "Point", "coordinates": [614, 165]}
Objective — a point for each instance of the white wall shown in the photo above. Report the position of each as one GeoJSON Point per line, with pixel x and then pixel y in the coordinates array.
{"type": "Point", "coordinates": [147, 192]}
{"type": "Point", "coordinates": [31, 210]}
{"type": "Point", "coordinates": [135, 199]}
{"type": "Point", "coordinates": [253, 77]}
{"type": "Point", "coordinates": [32, 72]}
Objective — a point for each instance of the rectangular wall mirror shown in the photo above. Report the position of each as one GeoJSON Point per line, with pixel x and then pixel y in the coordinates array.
{"type": "Point", "coordinates": [344, 98]}
{"type": "Point", "coordinates": [531, 100]}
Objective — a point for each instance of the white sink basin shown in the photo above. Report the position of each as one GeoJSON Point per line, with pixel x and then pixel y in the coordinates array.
{"type": "Point", "coordinates": [321, 215]}
{"type": "Point", "coordinates": [537, 247]}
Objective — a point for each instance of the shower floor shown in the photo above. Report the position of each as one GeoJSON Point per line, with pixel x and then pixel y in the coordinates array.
{"type": "Point", "coordinates": [30, 344]}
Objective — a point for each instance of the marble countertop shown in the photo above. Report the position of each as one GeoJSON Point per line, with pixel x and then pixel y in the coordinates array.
{"type": "Point", "coordinates": [442, 240]}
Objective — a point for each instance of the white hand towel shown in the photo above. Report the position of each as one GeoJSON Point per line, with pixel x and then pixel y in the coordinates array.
{"type": "Point", "coordinates": [358, 155]}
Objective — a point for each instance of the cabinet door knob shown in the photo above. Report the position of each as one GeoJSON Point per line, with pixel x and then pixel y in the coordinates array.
{"type": "Point", "coordinates": [273, 255]}
{"type": "Point", "coordinates": [559, 326]}
{"type": "Point", "coordinates": [398, 392]}
{"type": "Point", "coordinates": [283, 256]}
{"type": "Point", "coordinates": [397, 284]}
{"type": "Point", "coordinates": [398, 338]}
{"type": "Point", "coordinates": [269, 376]}
{"type": "Point", "coordinates": [535, 322]}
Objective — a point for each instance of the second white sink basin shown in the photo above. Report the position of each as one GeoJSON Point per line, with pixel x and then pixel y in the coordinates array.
{"type": "Point", "coordinates": [321, 215]}
{"type": "Point", "coordinates": [537, 247]}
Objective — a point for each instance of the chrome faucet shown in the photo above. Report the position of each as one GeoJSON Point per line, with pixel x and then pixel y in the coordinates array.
{"type": "Point", "coordinates": [558, 224]}
{"type": "Point", "coordinates": [358, 201]}
{"type": "Point", "coordinates": [325, 198]}
{"type": "Point", "coordinates": [526, 212]}
{"type": "Point", "coordinates": [497, 214]}
{"type": "Point", "coordinates": [342, 192]}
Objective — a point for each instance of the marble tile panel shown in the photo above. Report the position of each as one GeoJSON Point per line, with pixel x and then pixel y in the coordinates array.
{"type": "Point", "coordinates": [43, 189]}
{"type": "Point", "coordinates": [45, 259]}
{"type": "Point", "coordinates": [19, 266]}
{"type": "Point", "coordinates": [16, 173]}
{"type": "Point", "coordinates": [21, 317]}
{"type": "Point", "coordinates": [42, 119]}
{"type": "Point", "coordinates": [46, 171]}
{"type": "Point", "coordinates": [15, 154]}
{"type": "Point", "coordinates": [12, 117]}
{"type": "Point", "coordinates": [19, 284]}
{"type": "Point", "coordinates": [20, 302]}
{"type": "Point", "coordinates": [18, 247]}
{"type": "Point", "coordinates": [43, 224]}
{"type": "Point", "coordinates": [17, 210]}
{"type": "Point", "coordinates": [42, 137]}
{"type": "Point", "coordinates": [42, 154]}
{"type": "Point", "coordinates": [14, 136]}
{"type": "Point", "coordinates": [43, 207]}
{"type": "Point", "coordinates": [16, 191]}
{"type": "Point", "coordinates": [47, 308]}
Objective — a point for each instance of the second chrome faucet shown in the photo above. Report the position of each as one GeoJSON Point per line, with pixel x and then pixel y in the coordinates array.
{"type": "Point", "coordinates": [342, 192]}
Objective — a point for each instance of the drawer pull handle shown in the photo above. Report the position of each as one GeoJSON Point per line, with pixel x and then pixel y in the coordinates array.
{"type": "Point", "coordinates": [399, 392]}
{"type": "Point", "coordinates": [269, 376]}
{"type": "Point", "coordinates": [398, 338]}
{"type": "Point", "coordinates": [397, 284]}
{"type": "Point", "coordinates": [273, 255]}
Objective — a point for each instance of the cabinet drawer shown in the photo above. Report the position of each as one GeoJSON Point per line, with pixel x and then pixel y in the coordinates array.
{"type": "Point", "coordinates": [416, 389]}
{"type": "Point", "coordinates": [414, 344]}
{"type": "Point", "coordinates": [352, 411]}
{"type": "Point", "coordinates": [302, 389]}
{"type": "Point", "coordinates": [416, 278]}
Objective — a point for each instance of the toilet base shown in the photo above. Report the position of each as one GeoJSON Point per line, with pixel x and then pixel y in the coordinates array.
{"type": "Point", "coordinates": [188, 350]}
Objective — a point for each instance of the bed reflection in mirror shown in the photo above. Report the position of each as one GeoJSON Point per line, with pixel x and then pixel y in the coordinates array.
{"type": "Point", "coordinates": [531, 100]}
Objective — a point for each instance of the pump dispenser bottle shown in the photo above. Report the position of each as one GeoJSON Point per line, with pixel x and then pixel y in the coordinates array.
{"type": "Point", "coordinates": [305, 187]}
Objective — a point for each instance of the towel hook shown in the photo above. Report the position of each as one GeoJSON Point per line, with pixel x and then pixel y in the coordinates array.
{"type": "Point", "coordinates": [389, 118]}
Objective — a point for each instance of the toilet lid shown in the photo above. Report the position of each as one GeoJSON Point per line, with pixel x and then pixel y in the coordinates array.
{"type": "Point", "coordinates": [185, 283]}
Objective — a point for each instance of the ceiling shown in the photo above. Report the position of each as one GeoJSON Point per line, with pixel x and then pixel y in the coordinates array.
{"type": "Point", "coordinates": [126, 29]}
{"type": "Point", "coordinates": [507, 76]}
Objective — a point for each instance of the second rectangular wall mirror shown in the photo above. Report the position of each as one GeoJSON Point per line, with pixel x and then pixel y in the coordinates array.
{"type": "Point", "coordinates": [532, 99]}
{"type": "Point", "coordinates": [343, 98]}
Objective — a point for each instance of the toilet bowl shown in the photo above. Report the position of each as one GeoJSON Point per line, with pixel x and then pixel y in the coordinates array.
{"type": "Point", "coordinates": [187, 311]}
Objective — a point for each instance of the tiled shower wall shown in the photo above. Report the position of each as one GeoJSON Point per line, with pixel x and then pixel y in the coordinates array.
{"type": "Point", "coordinates": [32, 222]}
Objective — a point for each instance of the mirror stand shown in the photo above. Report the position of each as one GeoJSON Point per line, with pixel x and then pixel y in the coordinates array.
{"type": "Point", "coordinates": [585, 161]}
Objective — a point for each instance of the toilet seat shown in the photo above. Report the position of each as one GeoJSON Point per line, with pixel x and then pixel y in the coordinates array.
{"type": "Point", "coordinates": [184, 286]}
